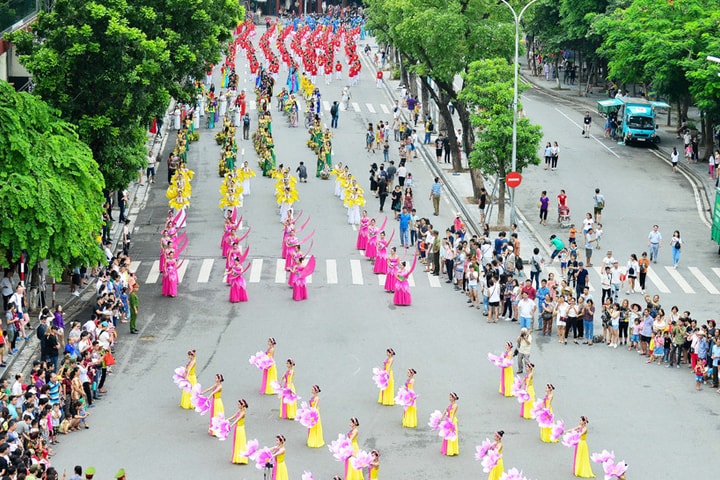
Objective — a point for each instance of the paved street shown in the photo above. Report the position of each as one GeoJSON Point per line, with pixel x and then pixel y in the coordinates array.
{"type": "Point", "coordinates": [339, 334]}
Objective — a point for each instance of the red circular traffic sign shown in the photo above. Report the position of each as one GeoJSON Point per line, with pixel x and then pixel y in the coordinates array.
{"type": "Point", "coordinates": [513, 179]}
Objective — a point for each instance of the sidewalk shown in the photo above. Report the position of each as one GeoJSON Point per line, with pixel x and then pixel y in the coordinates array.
{"type": "Point", "coordinates": [73, 305]}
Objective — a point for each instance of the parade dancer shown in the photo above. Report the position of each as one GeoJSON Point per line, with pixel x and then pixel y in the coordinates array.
{"type": "Point", "coordinates": [451, 447]}
{"type": "Point", "coordinates": [350, 472]}
{"type": "Point", "coordinates": [362, 236]}
{"type": "Point", "coordinates": [402, 284]}
{"type": "Point", "coordinates": [581, 459]}
{"type": "Point", "coordinates": [386, 395]}
{"type": "Point", "coordinates": [216, 403]}
{"type": "Point", "coordinates": [393, 261]}
{"type": "Point", "coordinates": [191, 378]}
{"type": "Point", "coordinates": [269, 375]}
{"type": "Point", "coordinates": [381, 263]}
{"type": "Point", "coordinates": [237, 422]}
{"type": "Point", "coordinates": [302, 270]}
{"type": "Point", "coordinates": [238, 287]}
{"type": "Point", "coordinates": [409, 419]}
{"type": "Point", "coordinates": [496, 473]}
{"type": "Point", "coordinates": [506, 374]}
{"type": "Point", "coordinates": [371, 247]}
{"type": "Point", "coordinates": [170, 276]}
{"type": "Point", "coordinates": [288, 410]}
{"type": "Point", "coordinates": [315, 433]}
{"type": "Point", "coordinates": [279, 470]}
{"type": "Point", "coordinates": [527, 406]}
{"type": "Point", "coordinates": [546, 432]}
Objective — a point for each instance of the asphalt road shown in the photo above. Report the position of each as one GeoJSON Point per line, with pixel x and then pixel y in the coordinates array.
{"type": "Point", "coordinates": [342, 331]}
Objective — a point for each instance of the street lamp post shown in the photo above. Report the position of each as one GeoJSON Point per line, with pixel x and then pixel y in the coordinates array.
{"type": "Point", "coordinates": [516, 66]}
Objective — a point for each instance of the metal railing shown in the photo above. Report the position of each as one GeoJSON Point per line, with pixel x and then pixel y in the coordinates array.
{"type": "Point", "coordinates": [15, 13]}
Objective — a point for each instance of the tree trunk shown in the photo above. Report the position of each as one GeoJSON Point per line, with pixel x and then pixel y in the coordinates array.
{"type": "Point", "coordinates": [476, 175]}
{"type": "Point", "coordinates": [412, 84]}
{"type": "Point", "coordinates": [445, 123]}
{"type": "Point", "coordinates": [404, 77]}
{"type": "Point", "coordinates": [425, 99]}
{"type": "Point", "coordinates": [708, 144]}
{"type": "Point", "coordinates": [579, 68]}
{"type": "Point", "coordinates": [557, 72]}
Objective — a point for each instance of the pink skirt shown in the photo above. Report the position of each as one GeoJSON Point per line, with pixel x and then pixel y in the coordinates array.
{"type": "Point", "coordinates": [371, 248]}
{"type": "Point", "coordinates": [402, 293]}
{"type": "Point", "coordinates": [362, 239]}
{"type": "Point", "coordinates": [381, 265]}
{"type": "Point", "coordinates": [238, 291]}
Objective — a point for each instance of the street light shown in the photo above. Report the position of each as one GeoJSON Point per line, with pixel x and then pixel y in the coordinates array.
{"type": "Point", "coordinates": [516, 65]}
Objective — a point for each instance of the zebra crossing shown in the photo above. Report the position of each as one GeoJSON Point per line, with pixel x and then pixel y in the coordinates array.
{"type": "Point", "coordinates": [660, 279]}
{"type": "Point", "coordinates": [262, 270]}
{"type": "Point", "coordinates": [355, 271]}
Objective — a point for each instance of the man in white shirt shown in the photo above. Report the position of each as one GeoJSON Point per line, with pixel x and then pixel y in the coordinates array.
{"type": "Point", "coordinates": [524, 345]}
{"type": "Point", "coordinates": [526, 312]}
{"type": "Point", "coordinates": [654, 243]}
{"type": "Point", "coordinates": [6, 286]}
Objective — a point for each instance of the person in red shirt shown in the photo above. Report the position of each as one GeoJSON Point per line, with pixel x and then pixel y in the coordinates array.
{"type": "Point", "coordinates": [338, 70]}
{"type": "Point", "coordinates": [529, 289]}
{"type": "Point", "coordinates": [379, 78]}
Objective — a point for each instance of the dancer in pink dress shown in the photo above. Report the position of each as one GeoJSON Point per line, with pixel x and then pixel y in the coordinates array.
{"type": "Point", "coordinates": [238, 287]}
{"type": "Point", "coordinates": [302, 270]}
{"type": "Point", "coordinates": [402, 295]}
{"type": "Point", "coordinates": [381, 263]}
{"type": "Point", "coordinates": [371, 244]}
{"type": "Point", "coordinates": [362, 236]}
{"type": "Point", "coordinates": [170, 276]}
{"type": "Point", "coordinates": [393, 261]}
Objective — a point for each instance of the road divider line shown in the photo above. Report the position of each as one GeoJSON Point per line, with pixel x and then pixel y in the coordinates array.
{"type": "Point", "coordinates": [326, 105]}
{"type": "Point", "coordinates": [356, 272]}
{"type": "Point", "coordinates": [154, 272]}
{"type": "Point", "coordinates": [591, 135]}
{"type": "Point", "coordinates": [134, 265]}
{"type": "Point", "coordinates": [204, 276]}
{"type": "Point", "coordinates": [256, 270]}
{"type": "Point", "coordinates": [684, 285]}
{"type": "Point", "coordinates": [356, 106]}
{"type": "Point", "coordinates": [384, 109]}
{"type": "Point", "coordinates": [704, 280]}
{"type": "Point", "coordinates": [181, 271]}
{"type": "Point", "coordinates": [280, 271]}
{"type": "Point", "coordinates": [331, 271]}
{"type": "Point", "coordinates": [662, 288]}
{"type": "Point", "coordinates": [370, 107]}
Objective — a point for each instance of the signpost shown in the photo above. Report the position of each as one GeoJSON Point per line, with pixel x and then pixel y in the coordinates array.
{"type": "Point", "coordinates": [513, 179]}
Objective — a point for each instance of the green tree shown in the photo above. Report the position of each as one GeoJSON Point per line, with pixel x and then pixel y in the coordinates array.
{"type": "Point", "coordinates": [488, 92]}
{"type": "Point", "coordinates": [103, 74]}
{"type": "Point", "coordinates": [195, 32]}
{"type": "Point", "coordinates": [50, 187]}
{"type": "Point", "coordinates": [438, 39]}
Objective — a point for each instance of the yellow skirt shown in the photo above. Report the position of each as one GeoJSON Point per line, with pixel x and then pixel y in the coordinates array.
{"type": "Point", "coordinates": [409, 419]}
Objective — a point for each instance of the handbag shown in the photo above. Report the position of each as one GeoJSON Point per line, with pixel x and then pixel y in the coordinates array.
{"type": "Point", "coordinates": [108, 359]}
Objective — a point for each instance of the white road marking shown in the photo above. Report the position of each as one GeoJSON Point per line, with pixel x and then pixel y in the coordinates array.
{"type": "Point", "coordinates": [704, 280]}
{"type": "Point", "coordinates": [716, 270]}
{"type": "Point", "coordinates": [256, 270]}
{"type": "Point", "coordinates": [326, 105]}
{"type": "Point", "coordinates": [656, 280]}
{"type": "Point", "coordinates": [384, 109]}
{"type": "Point", "coordinates": [280, 271]}
{"type": "Point", "coordinates": [434, 281]}
{"type": "Point", "coordinates": [331, 271]}
{"type": "Point", "coordinates": [154, 272]}
{"type": "Point", "coordinates": [591, 135]}
{"type": "Point", "coordinates": [181, 271]}
{"type": "Point", "coordinates": [355, 106]}
{"type": "Point", "coordinates": [370, 107]}
{"type": "Point", "coordinates": [381, 279]}
{"type": "Point", "coordinates": [354, 227]}
{"type": "Point", "coordinates": [684, 285]}
{"type": "Point", "coordinates": [134, 265]}
{"type": "Point", "coordinates": [253, 106]}
{"type": "Point", "coordinates": [356, 272]}
{"type": "Point", "coordinates": [411, 280]}
{"type": "Point", "coordinates": [205, 268]}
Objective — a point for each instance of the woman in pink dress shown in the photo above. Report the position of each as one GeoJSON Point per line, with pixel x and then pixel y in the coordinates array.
{"type": "Point", "coordinates": [289, 229]}
{"type": "Point", "coordinates": [362, 236]}
{"type": "Point", "coordinates": [292, 247]}
{"type": "Point", "coordinates": [392, 263]}
{"type": "Point", "coordinates": [228, 228]}
{"type": "Point", "coordinates": [302, 270]}
{"type": "Point", "coordinates": [371, 246]}
{"type": "Point", "coordinates": [170, 277]}
{"type": "Point", "coordinates": [402, 285]}
{"type": "Point", "coordinates": [238, 287]}
{"type": "Point", "coordinates": [381, 260]}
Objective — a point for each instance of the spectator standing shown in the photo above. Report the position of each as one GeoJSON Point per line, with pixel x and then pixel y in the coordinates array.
{"type": "Point", "coordinates": [598, 205]}
{"type": "Point", "coordinates": [150, 173]}
{"type": "Point", "coordinates": [543, 205]}
{"type": "Point", "coordinates": [526, 312]}
{"type": "Point", "coordinates": [524, 346]}
{"type": "Point", "coordinates": [435, 191]}
{"type": "Point", "coordinates": [587, 123]}
{"type": "Point", "coordinates": [335, 114]}
{"type": "Point", "coordinates": [134, 302]}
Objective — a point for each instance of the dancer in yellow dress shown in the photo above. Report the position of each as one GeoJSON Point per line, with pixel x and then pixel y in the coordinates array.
{"type": "Point", "coordinates": [270, 375]}
{"type": "Point", "coordinates": [409, 419]}
{"type": "Point", "coordinates": [451, 447]}
{"type": "Point", "coordinates": [581, 460]}
{"type": "Point", "coordinates": [216, 406]}
{"type": "Point", "coordinates": [526, 407]}
{"type": "Point", "coordinates": [237, 421]}
{"type": "Point", "coordinates": [288, 410]}
{"type": "Point", "coordinates": [386, 396]}
{"type": "Point", "coordinates": [190, 377]}
{"type": "Point", "coordinates": [497, 471]}
{"type": "Point", "coordinates": [546, 433]}
{"type": "Point", "coordinates": [374, 465]}
{"type": "Point", "coordinates": [350, 472]}
{"type": "Point", "coordinates": [506, 375]}
{"type": "Point", "coordinates": [279, 471]}
{"type": "Point", "coordinates": [315, 433]}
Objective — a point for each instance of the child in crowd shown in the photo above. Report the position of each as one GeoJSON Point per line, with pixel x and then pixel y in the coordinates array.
{"type": "Point", "coordinates": [635, 337]}
{"type": "Point", "coordinates": [598, 235]}
{"type": "Point", "coordinates": [563, 256]}
{"type": "Point", "coordinates": [667, 346]}
{"type": "Point", "coordinates": [658, 348]}
{"type": "Point", "coordinates": [572, 235]}
{"type": "Point", "coordinates": [699, 371]}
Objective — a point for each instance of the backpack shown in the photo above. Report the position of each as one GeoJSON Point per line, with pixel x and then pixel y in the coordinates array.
{"type": "Point", "coordinates": [369, 137]}
{"type": "Point", "coordinates": [519, 263]}
{"type": "Point", "coordinates": [536, 265]}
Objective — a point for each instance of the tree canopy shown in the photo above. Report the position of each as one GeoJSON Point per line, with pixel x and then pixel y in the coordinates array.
{"type": "Point", "coordinates": [488, 92]}
{"type": "Point", "coordinates": [110, 66]}
{"type": "Point", "coordinates": [50, 187]}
